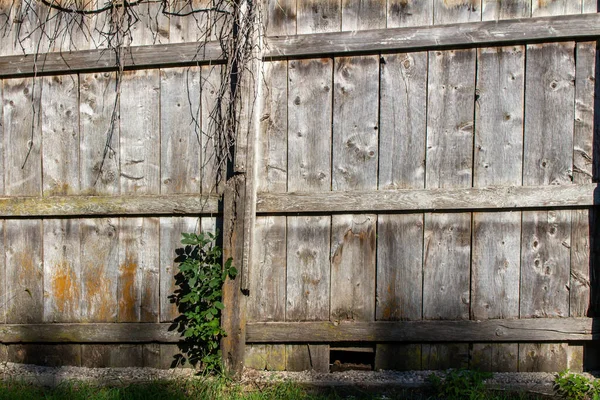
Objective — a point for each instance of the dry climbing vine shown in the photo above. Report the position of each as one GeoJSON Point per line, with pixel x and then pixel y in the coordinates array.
{"type": "Point", "coordinates": [70, 25]}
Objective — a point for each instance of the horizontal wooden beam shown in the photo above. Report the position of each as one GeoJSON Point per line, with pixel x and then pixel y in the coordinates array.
{"type": "Point", "coordinates": [89, 333]}
{"type": "Point", "coordinates": [161, 55]}
{"type": "Point", "coordinates": [64, 206]}
{"type": "Point", "coordinates": [475, 34]}
{"type": "Point", "coordinates": [509, 330]}
{"type": "Point", "coordinates": [490, 198]}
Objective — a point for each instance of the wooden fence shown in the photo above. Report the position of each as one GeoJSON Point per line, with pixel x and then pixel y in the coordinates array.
{"type": "Point", "coordinates": [416, 189]}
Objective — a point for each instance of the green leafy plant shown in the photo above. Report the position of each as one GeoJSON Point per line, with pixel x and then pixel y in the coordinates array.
{"type": "Point", "coordinates": [577, 387]}
{"type": "Point", "coordinates": [460, 384]}
{"type": "Point", "coordinates": [199, 300]}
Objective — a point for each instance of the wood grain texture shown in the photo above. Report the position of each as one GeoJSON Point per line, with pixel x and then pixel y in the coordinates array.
{"type": "Point", "coordinates": [540, 8]}
{"type": "Point", "coordinates": [99, 269]}
{"type": "Point", "coordinates": [494, 357]}
{"type": "Point", "coordinates": [402, 130]}
{"type": "Point", "coordinates": [24, 271]}
{"type": "Point", "coordinates": [493, 197]}
{"type": "Point", "coordinates": [62, 270]}
{"type": "Point", "coordinates": [439, 37]}
{"type": "Point", "coordinates": [180, 130]}
{"type": "Point", "coordinates": [265, 357]}
{"type": "Point", "coordinates": [272, 157]}
{"type": "Point", "coordinates": [583, 169]}
{"type": "Point", "coordinates": [492, 330]}
{"type": "Point", "coordinates": [451, 88]}
{"type": "Point", "coordinates": [22, 134]}
{"type": "Point", "coordinates": [355, 123]}
{"type": "Point", "coordinates": [589, 6]}
{"type": "Point", "coordinates": [113, 356]}
{"type": "Point", "coordinates": [358, 15]}
{"type": "Point", "coordinates": [543, 357]}
{"type": "Point", "coordinates": [60, 135]}
{"type": "Point", "coordinates": [308, 268]}
{"type": "Point", "coordinates": [171, 229]}
{"type": "Point", "coordinates": [140, 132]}
{"type": "Point", "coordinates": [444, 356]}
{"type": "Point", "coordinates": [48, 355]}
{"type": "Point", "coordinates": [281, 17]}
{"type": "Point", "coordinates": [455, 11]}
{"type": "Point", "coordinates": [210, 83]}
{"type": "Point", "coordinates": [152, 26]}
{"type": "Point", "coordinates": [318, 16]}
{"type": "Point", "coordinates": [353, 267]}
{"type": "Point", "coordinates": [402, 13]}
{"type": "Point", "coordinates": [267, 301]}
{"type": "Point", "coordinates": [494, 10]}
{"type": "Point", "coordinates": [189, 28]}
{"type": "Point", "coordinates": [99, 151]}
{"type": "Point", "coordinates": [307, 357]}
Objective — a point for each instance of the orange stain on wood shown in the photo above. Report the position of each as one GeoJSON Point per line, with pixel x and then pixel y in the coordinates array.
{"type": "Point", "coordinates": [99, 296]}
{"type": "Point", "coordinates": [64, 288]}
{"type": "Point", "coordinates": [127, 290]}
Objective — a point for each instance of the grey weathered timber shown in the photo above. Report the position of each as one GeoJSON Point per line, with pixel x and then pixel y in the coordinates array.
{"type": "Point", "coordinates": [360, 15]}
{"type": "Point", "coordinates": [180, 130]}
{"type": "Point", "coordinates": [233, 317]}
{"type": "Point", "coordinates": [60, 135]}
{"type": "Point", "coordinates": [465, 35]}
{"type": "Point", "coordinates": [555, 7]}
{"type": "Point", "coordinates": [353, 267]}
{"type": "Point", "coordinates": [402, 130]}
{"type": "Point", "coordinates": [308, 271]}
{"type": "Point", "coordinates": [453, 11]}
{"type": "Point", "coordinates": [158, 55]}
{"type": "Point", "coordinates": [502, 9]}
{"type": "Point", "coordinates": [318, 16]}
{"type": "Point", "coordinates": [211, 76]}
{"type": "Point", "coordinates": [305, 357]}
{"type": "Point", "coordinates": [355, 123]}
{"type": "Point", "coordinates": [583, 169]}
{"type": "Point", "coordinates": [493, 330]}
{"type": "Point", "coordinates": [280, 17]}
{"type": "Point", "coordinates": [24, 271]}
{"type": "Point", "coordinates": [22, 134]}
{"type": "Point", "coordinates": [494, 197]}
{"type": "Point", "coordinates": [99, 269]}
{"type": "Point", "coordinates": [57, 206]}
{"type": "Point", "coordinates": [62, 270]}
{"type": "Point", "coordinates": [402, 13]}
{"type": "Point", "coordinates": [99, 152]}
{"type": "Point", "coordinates": [589, 6]}
{"type": "Point", "coordinates": [185, 29]}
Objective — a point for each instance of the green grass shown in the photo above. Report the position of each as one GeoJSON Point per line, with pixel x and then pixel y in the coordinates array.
{"type": "Point", "coordinates": [217, 389]}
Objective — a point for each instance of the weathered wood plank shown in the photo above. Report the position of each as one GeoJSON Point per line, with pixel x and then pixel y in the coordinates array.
{"type": "Point", "coordinates": [495, 357]}
{"type": "Point", "coordinates": [306, 357]}
{"type": "Point", "coordinates": [162, 55]}
{"type": "Point", "coordinates": [542, 357]}
{"type": "Point", "coordinates": [494, 10]}
{"type": "Point", "coordinates": [265, 357]}
{"type": "Point", "coordinates": [113, 356]}
{"type": "Point", "coordinates": [210, 84]}
{"type": "Point", "coordinates": [453, 11]}
{"type": "Point", "coordinates": [493, 197]}
{"type": "Point", "coordinates": [492, 330]}
{"type": "Point", "coordinates": [401, 13]}
{"type": "Point", "coordinates": [280, 17]}
{"type": "Point", "coordinates": [152, 26]}
{"type": "Point", "coordinates": [99, 153]}
{"type": "Point", "coordinates": [189, 28]}
{"type": "Point", "coordinates": [583, 169]}
{"type": "Point", "coordinates": [465, 35]}
{"type": "Point", "coordinates": [180, 130]}
{"type": "Point", "coordinates": [308, 271]}
{"type": "Point", "coordinates": [22, 135]}
{"type": "Point", "coordinates": [48, 355]}
{"type": "Point", "coordinates": [60, 166]}
{"type": "Point", "coordinates": [58, 206]}
{"type": "Point", "coordinates": [353, 267]}
{"type": "Point", "coordinates": [446, 273]}
{"type": "Point", "coordinates": [62, 270]}
{"type": "Point", "coordinates": [443, 356]}
{"type": "Point", "coordinates": [398, 357]}
{"type": "Point", "coordinates": [99, 269]}
{"type": "Point", "coordinates": [589, 6]}
{"type": "Point", "coordinates": [318, 16]}
{"type": "Point", "coordinates": [355, 123]}
{"type": "Point", "coordinates": [233, 317]}
{"type": "Point", "coordinates": [540, 8]}
{"type": "Point", "coordinates": [402, 131]}
{"type": "Point", "coordinates": [360, 15]}
{"type": "Point", "coordinates": [272, 157]}
{"type": "Point", "coordinates": [309, 132]}
{"type": "Point", "coordinates": [138, 281]}
{"type": "Point", "coordinates": [170, 240]}
{"type": "Point", "coordinates": [24, 271]}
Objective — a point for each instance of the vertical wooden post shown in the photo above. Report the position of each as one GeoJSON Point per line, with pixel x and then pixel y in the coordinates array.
{"type": "Point", "coordinates": [233, 318]}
